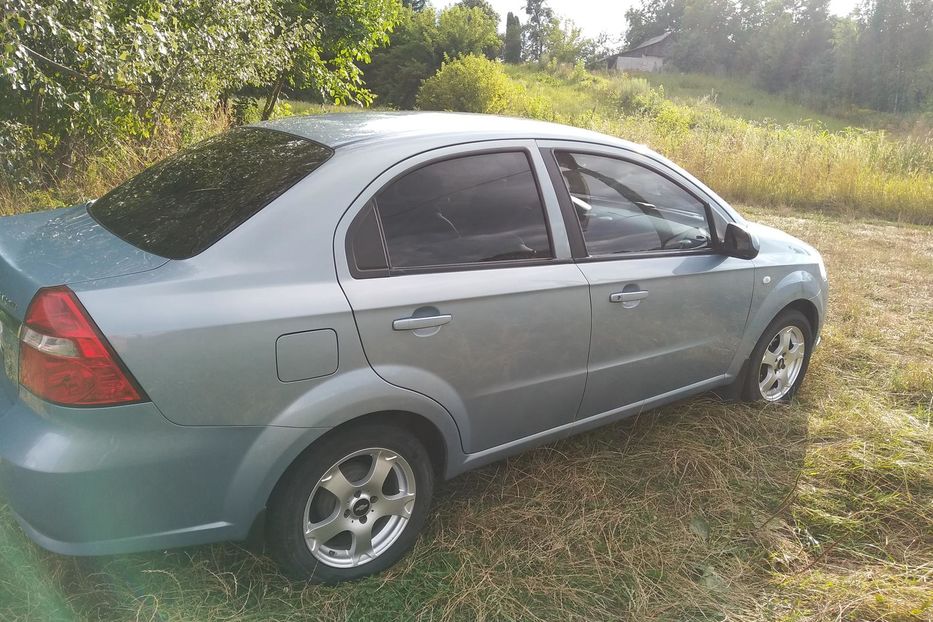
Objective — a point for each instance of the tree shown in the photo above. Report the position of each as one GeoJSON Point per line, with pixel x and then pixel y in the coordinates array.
{"type": "Point", "coordinates": [462, 31]}
{"type": "Point", "coordinates": [540, 21]}
{"type": "Point", "coordinates": [396, 71]}
{"type": "Point", "coordinates": [653, 18]}
{"type": "Point", "coordinates": [706, 40]}
{"type": "Point", "coordinates": [421, 43]}
{"type": "Point", "coordinates": [483, 5]}
{"type": "Point", "coordinates": [331, 37]}
{"type": "Point", "coordinates": [513, 39]}
{"type": "Point", "coordinates": [75, 74]}
{"type": "Point", "coordinates": [415, 5]}
{"type": "Point", "coordinates": [565, 43]}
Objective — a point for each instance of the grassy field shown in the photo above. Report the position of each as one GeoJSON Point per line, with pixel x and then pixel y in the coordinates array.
{"type": "Point", "coordinates": [704, 510]}
{"type": "Point", "coordinates": [797, 164]}
{"type": "Point", "coordinates": [738, 98]}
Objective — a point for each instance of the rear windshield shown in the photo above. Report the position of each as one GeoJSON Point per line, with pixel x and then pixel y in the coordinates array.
{"type": "Point", "coordinates": [189, 201]}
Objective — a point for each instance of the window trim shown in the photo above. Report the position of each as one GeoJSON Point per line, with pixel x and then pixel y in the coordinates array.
{"type": "Point", "coordinates": [572, 222]}
{"type": "Point", "coordinates": [349, 239]}
{"type": "Point", "coordinates": [391, 271]}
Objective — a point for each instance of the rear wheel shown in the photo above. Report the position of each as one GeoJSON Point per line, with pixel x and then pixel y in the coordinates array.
{"type": "Point", "coordinates": [351, 506]}
{"type": "Point", "coordinates": [779, 361]}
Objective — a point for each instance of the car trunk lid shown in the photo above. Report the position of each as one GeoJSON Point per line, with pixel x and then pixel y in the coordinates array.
{"type": "Point", "coordinates": [57, 247]}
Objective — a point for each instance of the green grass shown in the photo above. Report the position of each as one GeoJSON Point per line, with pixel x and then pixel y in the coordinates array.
{"type": "Point", "coordinates": [738, 98]}
{"type": "Point", "coordinates": [855, 172]}
{"type": "Point", "coordinates": [703, 510]}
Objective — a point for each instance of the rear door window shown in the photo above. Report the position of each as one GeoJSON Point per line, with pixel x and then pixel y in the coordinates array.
{"type": "Point", "coordinates": [473, 209]}
{"type": "Point", "coordinates": [187, 202]}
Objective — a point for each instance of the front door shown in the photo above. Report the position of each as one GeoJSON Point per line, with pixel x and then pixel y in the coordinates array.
{"type": "Point", "coordinates": [668, 311]}
{"type": "Point", "coordinates": [471, 302]}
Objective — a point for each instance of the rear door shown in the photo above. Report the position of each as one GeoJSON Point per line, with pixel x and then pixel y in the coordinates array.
{"type": "Point", "coordinates": [668, 310]}
{"type": "Point", "coordinates": [459, 273]}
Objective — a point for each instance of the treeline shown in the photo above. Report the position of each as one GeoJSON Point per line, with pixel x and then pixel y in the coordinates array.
{"type": "Point", "coordinates": [425, 37]}
{"type": "Point", "coordinates": [880, 57]}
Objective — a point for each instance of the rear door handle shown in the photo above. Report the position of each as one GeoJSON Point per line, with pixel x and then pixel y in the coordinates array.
{"type": "Point", "coordinates": [414, 323]}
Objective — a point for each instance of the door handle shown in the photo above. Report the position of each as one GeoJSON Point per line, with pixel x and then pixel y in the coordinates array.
{"type": "Point", "coordinates": [414, 323]}
{"type": "Point", "coordinates": [628, 296]}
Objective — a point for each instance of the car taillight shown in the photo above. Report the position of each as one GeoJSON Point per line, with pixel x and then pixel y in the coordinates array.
{"type": "Point", "coordinates": [66, 360]}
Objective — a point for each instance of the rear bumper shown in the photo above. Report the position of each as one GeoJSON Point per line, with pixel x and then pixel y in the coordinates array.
{"type": "Point", "coordinates": [125, 479]}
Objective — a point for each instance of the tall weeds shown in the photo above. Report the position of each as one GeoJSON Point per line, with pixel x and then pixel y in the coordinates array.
{"type": "Point", "coordinates": [854, 171]}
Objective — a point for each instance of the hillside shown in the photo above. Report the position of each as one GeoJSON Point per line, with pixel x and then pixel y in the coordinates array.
{"type": "Point", "coordinates": [750, 158]}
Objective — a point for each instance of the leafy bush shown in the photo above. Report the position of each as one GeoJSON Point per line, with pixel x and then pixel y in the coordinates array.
{"type": "Point", "coordinates": [468, 84]}
{"type": "Point", "coordinates": [79, 75]}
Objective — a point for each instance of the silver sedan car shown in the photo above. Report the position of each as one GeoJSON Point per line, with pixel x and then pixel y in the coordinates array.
{"type": "Point", "coordinates": [295, 328]}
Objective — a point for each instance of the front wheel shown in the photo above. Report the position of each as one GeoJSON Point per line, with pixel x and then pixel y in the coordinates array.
{"type": "Point", "coordinates": [351, 506]}
{"type": "Point", "coordinates": [780, 359]}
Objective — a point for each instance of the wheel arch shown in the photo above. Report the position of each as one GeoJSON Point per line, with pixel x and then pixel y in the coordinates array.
{"type": "Point", "coordinates": [807, 308]}
{"type": "Point", "coordinates": [427, 433]}
{"type": "Point", "coordinates": [796, 290]}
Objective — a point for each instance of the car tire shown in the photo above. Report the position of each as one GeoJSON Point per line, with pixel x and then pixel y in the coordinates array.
{"type": "Point", "coordinates": [776, 367]}
{"type": "Point", "coordinates": [336, 484]}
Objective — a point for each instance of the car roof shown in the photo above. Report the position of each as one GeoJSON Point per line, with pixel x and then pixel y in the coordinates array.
{"type": "Point", "coordinates": [336, 130]}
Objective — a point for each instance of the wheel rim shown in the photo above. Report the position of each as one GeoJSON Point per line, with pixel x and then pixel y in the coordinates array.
{"type": "Point", "coordinates": [359, 507]}
{"type": "Point", "coordinates": [781, 363]}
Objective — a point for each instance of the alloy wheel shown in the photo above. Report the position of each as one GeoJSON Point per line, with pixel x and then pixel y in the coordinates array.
{"type": "Point", "coordinates": [781, 363]}
{"type": "Point", "coordinates": [359, 507]}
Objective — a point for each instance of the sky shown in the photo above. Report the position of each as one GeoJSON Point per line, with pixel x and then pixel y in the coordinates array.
{"type": "Point", "coordinates": [596, 16]}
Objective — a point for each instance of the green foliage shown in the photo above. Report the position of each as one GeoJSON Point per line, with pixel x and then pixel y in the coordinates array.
{"type": "Point", "coordinates": [468, 84]}
{"type": "Point", "coordinates": [541, 20]}
{"type": "Point", "coordinates": [462, 31]}
{"type": "Point", "coordinates": [483, 5]}
{"type": "Point", "coordinates": [421, 43]}
{"type": "Point", "coordinates": [879, 57]}
{"type": "Point", "coordinates": [512, 49]}
{"type": "Point", "coordinates": [75, 75]}
{"type": "Point", "coordinates": [565, 43]}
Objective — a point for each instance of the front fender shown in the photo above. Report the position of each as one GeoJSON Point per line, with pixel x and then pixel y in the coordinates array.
{"type": "Point", "coordinates": [769, 299]}
{"type": "Point", "coordinates": [340, 399]}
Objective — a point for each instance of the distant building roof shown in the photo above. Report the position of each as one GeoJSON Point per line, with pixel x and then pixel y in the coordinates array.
{"type": "Point", "coordinates": [643, 44]}
{"type": "Point", "coordinates": [648, 42]}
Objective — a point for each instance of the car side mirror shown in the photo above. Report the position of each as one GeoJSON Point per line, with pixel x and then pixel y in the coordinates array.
{"type": "Point", "coordinates": [740, 242]}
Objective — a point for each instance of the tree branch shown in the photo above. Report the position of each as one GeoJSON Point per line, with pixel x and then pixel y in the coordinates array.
{"type": "Point", "coordinates": [78, 75]}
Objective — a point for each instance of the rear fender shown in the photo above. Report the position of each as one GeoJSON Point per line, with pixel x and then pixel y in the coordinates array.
{"type": "Point", "coordinates": [344, 398]}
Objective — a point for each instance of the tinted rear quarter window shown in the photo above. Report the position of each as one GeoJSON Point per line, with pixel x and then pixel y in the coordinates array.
{"type": "Point", "coordinates": [187, 202]}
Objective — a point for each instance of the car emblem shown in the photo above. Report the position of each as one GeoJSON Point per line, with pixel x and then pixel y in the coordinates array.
{"type": "Point", "coordinates": [7, 301]}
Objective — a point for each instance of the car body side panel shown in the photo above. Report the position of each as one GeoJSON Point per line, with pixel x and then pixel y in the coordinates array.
{"type": "Point", "coordinates": [203, 346]}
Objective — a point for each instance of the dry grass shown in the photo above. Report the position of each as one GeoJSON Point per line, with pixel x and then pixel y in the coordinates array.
{"type": "Point", "coordinates": [799, 164]}
{"type": "Point", "coordinates": [699, 511]}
